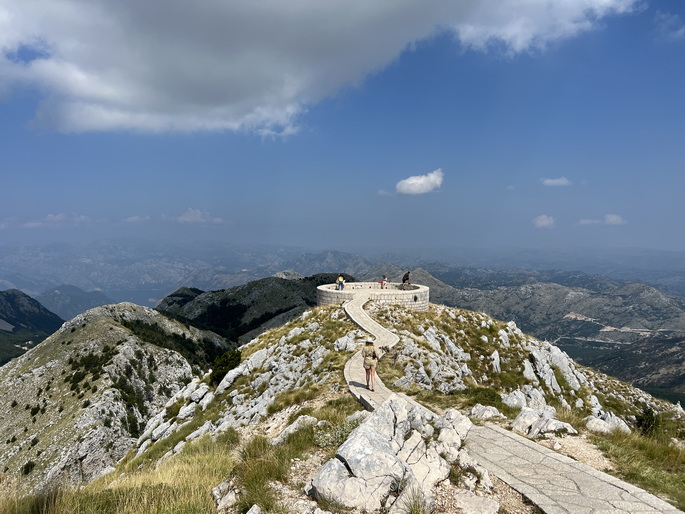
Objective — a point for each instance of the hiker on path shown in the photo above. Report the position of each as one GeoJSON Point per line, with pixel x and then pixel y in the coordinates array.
{"type": "Point", "coordinates": [406, 279]}
{"type": "Point", "coordinates": [370, 361]}
{"type": "Point", "coordinates": [340, 283]}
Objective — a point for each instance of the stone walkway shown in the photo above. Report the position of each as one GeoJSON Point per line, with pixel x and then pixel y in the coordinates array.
{"type": "Point", "coordinates": [555, 483]}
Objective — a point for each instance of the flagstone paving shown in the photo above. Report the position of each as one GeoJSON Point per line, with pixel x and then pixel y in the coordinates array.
{"type": "Point", "coordinates": [555, 483]}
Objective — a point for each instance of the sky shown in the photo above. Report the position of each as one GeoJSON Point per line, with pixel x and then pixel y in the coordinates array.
{"type": "Point", "coordinates": [344, 124]}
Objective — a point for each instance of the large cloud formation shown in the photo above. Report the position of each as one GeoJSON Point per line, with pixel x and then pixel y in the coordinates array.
{"type": "Point", "coordinates": [172, 65]}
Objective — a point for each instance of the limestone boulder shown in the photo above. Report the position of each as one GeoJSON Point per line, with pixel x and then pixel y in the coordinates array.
{"type": "Point", "coordinates": [479, 411]}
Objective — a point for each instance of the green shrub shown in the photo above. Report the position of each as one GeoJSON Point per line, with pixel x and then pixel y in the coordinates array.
{"type": "Point", "coordinates": [647, 422]}
{"type": "Point", "coordinates": [223, 364]}
{"type": "Point", "coordinates": [28, 467]}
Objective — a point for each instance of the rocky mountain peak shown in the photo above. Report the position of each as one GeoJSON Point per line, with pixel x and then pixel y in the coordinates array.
{"type": "Point", "coordinates": [80, 398]}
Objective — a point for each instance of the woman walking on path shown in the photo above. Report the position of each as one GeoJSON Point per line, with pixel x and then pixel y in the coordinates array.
{"type": "Point", "coordinates": [370, 361]}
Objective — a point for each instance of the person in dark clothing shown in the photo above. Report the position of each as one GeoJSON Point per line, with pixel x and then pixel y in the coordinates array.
{"type": "Point", "coordinates": [406, 280]}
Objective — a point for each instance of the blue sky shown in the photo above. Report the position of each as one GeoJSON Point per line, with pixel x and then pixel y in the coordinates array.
{"type": "Point", "coordinates": [351, 124]}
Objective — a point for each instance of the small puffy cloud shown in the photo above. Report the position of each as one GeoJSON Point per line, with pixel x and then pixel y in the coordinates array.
{"type": "Point", "coordinates": [420, 184]}
{"type": "Point", "coordinates": [556, 182]}
{"type": "Point", "coordinates": [197, 216]}
{"type": "Point", "coordinates": [160, 66]}
{"type": "Point", "coordinates": [613, 219]}
{"type": "Point", "coordinates": [670, 25]}
{"type": "Point", "coordinates": [544, 221]}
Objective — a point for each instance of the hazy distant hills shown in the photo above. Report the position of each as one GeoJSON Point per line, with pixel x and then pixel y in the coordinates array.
{"type": "Point", "coordinates": [68, 301]}
{"type": "Point", "coordinates": [655, 364]}
{"type": "Point", "coordinates": [24, 322]}
{"type": "Point", "coordinates": [144, 271]}
{"type": "Point", "coordinates": [572, 307]}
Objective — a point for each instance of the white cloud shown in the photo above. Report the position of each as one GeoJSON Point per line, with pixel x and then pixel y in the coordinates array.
{"type": "Point", "coordinates": [420, 184]}
{"type": "Point", "coordinates": [556, 182]}
{"type": "Point", "coordinates": [137, 219]}
{"type": "Point", "coordinates": [670, 25]}
{"type": "Point", "coordinates": [57, 220]}
{"type": "Point", "coordinates": [613, 219]}
{"type": "Point", "coordinates": [544, 221]}
{"type": "Point", "coordinates": [4, 223]}
{"type": "Point", "coordinates": [197, 216]}
{"type": "Point", "coordinates": [168, 65]}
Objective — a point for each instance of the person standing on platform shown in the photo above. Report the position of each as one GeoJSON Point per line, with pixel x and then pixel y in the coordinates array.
{"type": "Point", "coordinates": [406, 280]}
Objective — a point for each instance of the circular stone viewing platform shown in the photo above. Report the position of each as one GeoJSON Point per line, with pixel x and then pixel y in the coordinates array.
{"type": "Point", "coordinates": [414, 297]}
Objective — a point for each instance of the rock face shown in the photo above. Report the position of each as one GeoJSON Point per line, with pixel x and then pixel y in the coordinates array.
{"type": "Point", "coordinates": [394, 457]}
{"type": "Point", "coordinates": [80, 398]}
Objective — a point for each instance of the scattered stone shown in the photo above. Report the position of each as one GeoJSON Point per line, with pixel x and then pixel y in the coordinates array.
{"type": "Point", "coordinates": [483, 412]}
{"type": "Point", "coordinates": [299, 423]}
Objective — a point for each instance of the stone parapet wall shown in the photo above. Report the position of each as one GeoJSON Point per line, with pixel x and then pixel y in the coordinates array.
{"type": "Point", "coordinates": [415, 297]}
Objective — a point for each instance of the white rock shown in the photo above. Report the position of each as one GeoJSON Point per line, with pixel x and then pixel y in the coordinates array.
{"type": "Point", "coordinates": [199, 393]}
{"type": "Point", "coordinates": [187, 411]}
{"type": "Point", "coordinates": [485, 412]}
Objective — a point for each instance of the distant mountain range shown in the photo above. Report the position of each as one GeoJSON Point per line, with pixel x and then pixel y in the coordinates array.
{"type": "Point", "coordinates": [144, 271]}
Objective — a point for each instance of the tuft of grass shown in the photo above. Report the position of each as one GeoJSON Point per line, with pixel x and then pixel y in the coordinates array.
{"type": "Point", "coordinates": [415, 503]}
{"type": "Point", "coordinates": [293, 397]}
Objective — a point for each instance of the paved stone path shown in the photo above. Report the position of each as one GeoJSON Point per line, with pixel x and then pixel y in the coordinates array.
{"type": "Point", "coordinates": [555, 483]}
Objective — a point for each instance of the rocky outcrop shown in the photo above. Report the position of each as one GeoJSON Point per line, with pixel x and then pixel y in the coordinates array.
{"type": "Point", "coordinates": [481, 350]}
{"type": "Point", "coordinates": [296, 359]}
{"type": "Point", "coordinates": [395, 457]}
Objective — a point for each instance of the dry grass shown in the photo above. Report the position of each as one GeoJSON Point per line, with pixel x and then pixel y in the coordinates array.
{"type": "Point", "coordinates": [647, 462]}
{"type": "Point", "coordinates": [180, 485]}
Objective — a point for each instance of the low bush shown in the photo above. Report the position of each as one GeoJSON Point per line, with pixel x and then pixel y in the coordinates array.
{"type": "Point", "coordinates": [223, 364]}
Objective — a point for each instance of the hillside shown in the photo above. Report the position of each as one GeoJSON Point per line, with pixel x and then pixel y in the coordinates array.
{"type": "Point", "coordinates": [242, 312]}
{"type": "Point", "coordinates": [447, 358]}
{"type": "Point", "coordinates": [24, 322]}
{"type": "Point", "coordinates": [80, 398]}
{"type": "Point", "coordinates": [655, 364]}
